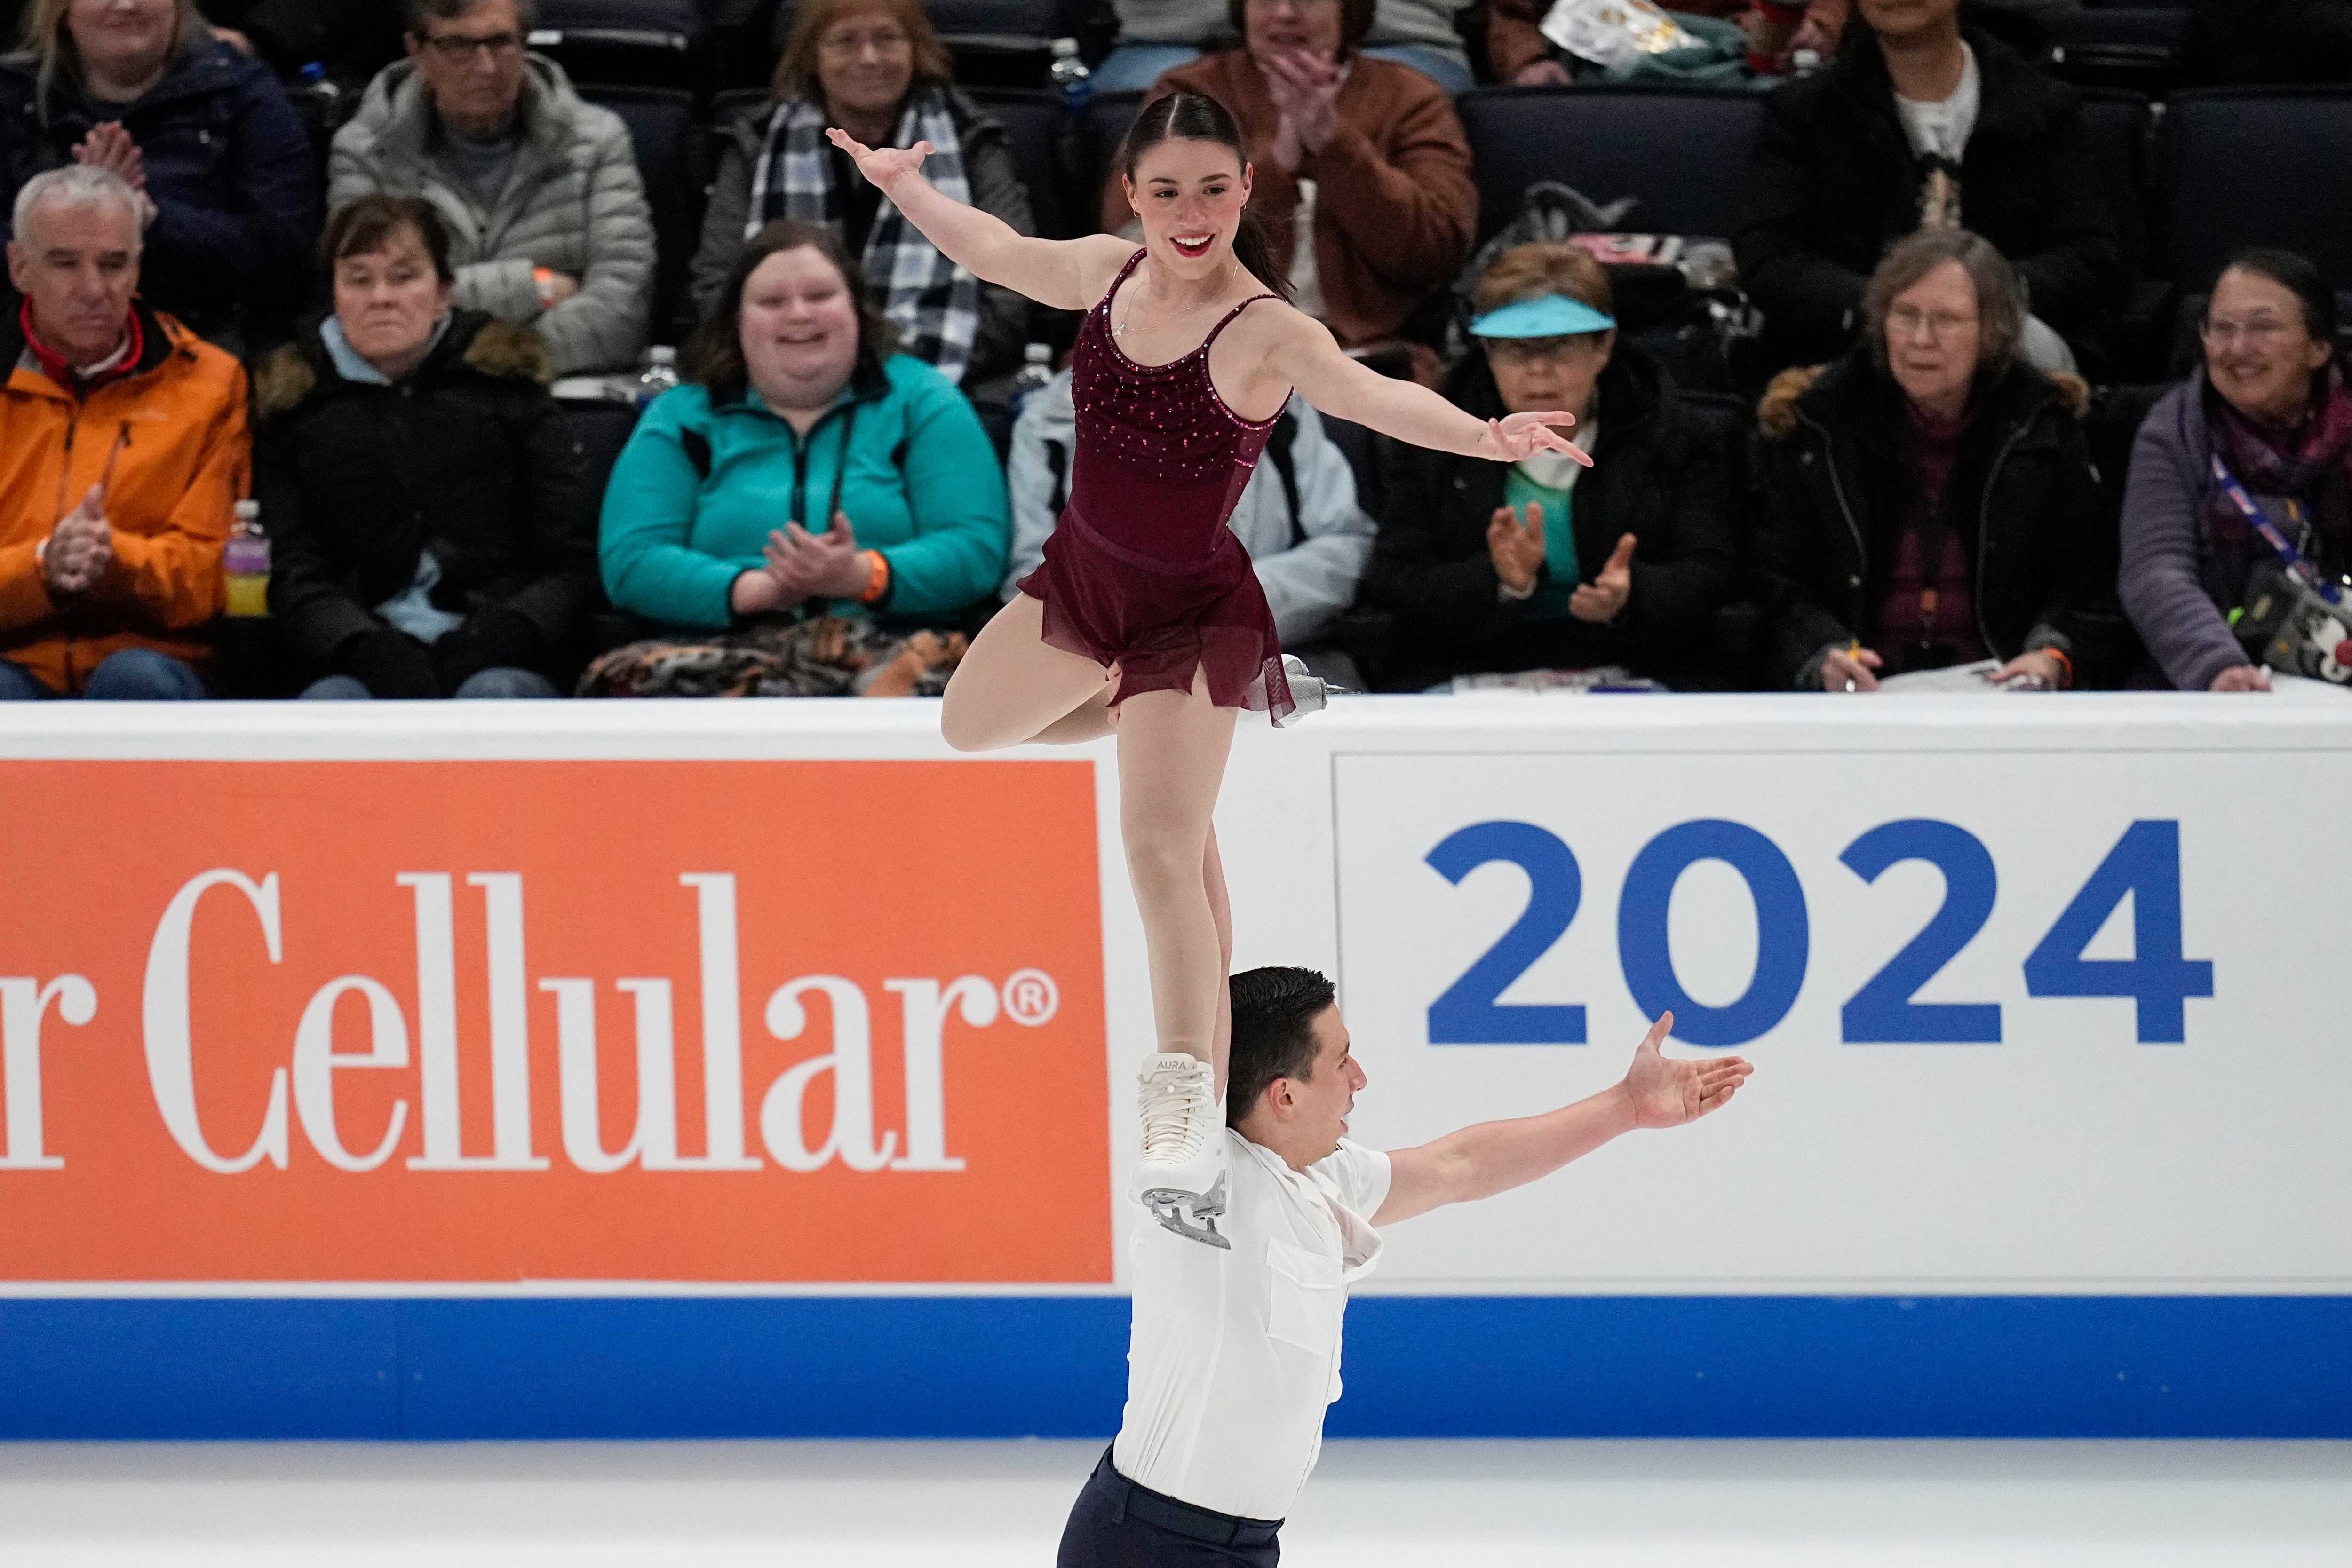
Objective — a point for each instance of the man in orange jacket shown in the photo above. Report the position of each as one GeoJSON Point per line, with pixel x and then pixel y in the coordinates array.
{"type": "Point", "coordinates": [122, 454]}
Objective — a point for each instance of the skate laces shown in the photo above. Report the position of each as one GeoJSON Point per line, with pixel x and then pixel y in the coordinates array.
{"type": "Point", "coordinates": [1174, 1098]}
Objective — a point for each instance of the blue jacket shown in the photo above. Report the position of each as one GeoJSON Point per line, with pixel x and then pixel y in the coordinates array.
{"type": "Point", "coordinates": [228, 166]}
{"type": "Point", "coordinates": [699, 488]}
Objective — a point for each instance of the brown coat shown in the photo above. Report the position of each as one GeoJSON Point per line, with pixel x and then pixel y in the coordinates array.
{"type": "Point", "coordinates": [184, 459]}
{"type": "Point", "coordinates": [1395, 209]}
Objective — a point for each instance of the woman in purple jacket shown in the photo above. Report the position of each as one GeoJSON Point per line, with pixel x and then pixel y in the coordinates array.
{"type": "Point", "coordinates": [2272, 404]}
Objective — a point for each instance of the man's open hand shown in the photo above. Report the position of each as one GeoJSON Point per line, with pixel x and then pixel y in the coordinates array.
{"type": "Point", "coordinates": [1665, 1091]}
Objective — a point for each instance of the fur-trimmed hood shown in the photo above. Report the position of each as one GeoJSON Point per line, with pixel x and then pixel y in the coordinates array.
{"type": "Point", "coordinates": [1776, 414]}
{"type": "Point", "coordinates": [474, 343]}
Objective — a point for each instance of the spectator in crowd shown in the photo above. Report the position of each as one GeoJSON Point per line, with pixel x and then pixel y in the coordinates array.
{"type": "Point", "coordinates": [435, 536]}
{"type": "Point", "coordinates": [1297, 517]}
{"type": "Point", "coordinates": [109, 546]}
{"type": "Point", "coordinates": [548, 223]}
{"type": "Point", "coordinates": [350, 39]}
{"type": "Point", "coordinates": [222, 170]}
{"type": "Point", "coordinates": [1543, 565]}
{"type": "Point", "coordinates": [807, 465]}
{"type": "Point", "coordinates": [2270, 403]}
{"type": "Point", "coordinates": [1920, 124]}
{"type": "Point", "coordinates": [1155, 37]}
{"type": "Point", "coordinates": [1929, 498]}
{"type": "Point", "coordinates": [877, 70]}
{"type": "Point", "coordinates": [2280, 40]}
{"type": "Point", "coordinates": [1361, 170]}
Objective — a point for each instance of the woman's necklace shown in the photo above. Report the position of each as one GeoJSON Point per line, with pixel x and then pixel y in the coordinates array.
{"type": "Point", "coordinates": [1178, 315]}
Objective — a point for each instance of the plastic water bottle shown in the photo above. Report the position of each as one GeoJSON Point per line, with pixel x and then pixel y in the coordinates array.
{"type": "Point", "coordinates": [660, 374]}
{"type": "Point", "coordinates": [1071, 77]}
{"type": "Point", "coordinates": [246, 561]}
{"type": "Point", "coordinates": [1035, 373]}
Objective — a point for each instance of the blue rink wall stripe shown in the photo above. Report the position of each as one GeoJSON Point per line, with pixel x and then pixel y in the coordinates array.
{"type": "Point", "coordinates": [1517, 1366]}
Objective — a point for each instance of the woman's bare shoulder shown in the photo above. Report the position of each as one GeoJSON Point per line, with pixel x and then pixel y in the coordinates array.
{"type": "Point", "coordinates": [1100, 260]}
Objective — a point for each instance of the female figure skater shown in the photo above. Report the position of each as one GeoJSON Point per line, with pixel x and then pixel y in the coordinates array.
{"type": "Point", "coordinates": [1146, 619]}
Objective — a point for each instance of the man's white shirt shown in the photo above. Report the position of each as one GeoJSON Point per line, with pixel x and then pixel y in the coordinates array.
{"type": "Point", "coordinates": [1235, 1352]}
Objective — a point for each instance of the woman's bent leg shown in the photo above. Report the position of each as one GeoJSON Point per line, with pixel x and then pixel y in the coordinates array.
{"type": "Point", "coordinates": [1013, 685]}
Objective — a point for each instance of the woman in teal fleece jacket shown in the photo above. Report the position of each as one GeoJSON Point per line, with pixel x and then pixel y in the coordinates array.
{"type": "Point", "coordinates": [807, 468]}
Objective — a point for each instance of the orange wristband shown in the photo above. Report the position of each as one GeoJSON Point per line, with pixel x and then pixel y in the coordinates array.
{"type": "Point", "coordinates": [877, 581]}
{"type": "Point", "coordinates": [2064, 662]}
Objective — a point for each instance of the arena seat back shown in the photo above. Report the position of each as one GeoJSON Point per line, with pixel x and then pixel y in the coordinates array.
{"type": "Point", "coordinates": [668, 142]}
{"type": "Point", "coordinates": [1681, 152]}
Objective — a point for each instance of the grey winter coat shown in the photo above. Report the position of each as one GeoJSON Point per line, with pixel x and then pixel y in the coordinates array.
{"type": "Point", "coordinates": [2170, 586]}
{"type": "Point", "coordinates": [995, 189]}
{"type": "Point", "coordinates": [576, 204]}
{"type": "Point", "coordinates": [1308, 571]}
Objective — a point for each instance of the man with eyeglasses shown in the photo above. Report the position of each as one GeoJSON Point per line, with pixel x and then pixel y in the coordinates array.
{"type": "Point", "coordinates": [541, 191]}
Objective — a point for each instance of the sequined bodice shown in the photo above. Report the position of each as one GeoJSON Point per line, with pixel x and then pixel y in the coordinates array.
{"type": "Point", "coordinates": [1161, 460]}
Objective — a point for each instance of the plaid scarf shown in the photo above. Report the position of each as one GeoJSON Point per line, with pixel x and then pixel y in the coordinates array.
{"type": "Point", "coordinates": [934, 303]}
{"type": "Point", "coordinates": [2309, 466]}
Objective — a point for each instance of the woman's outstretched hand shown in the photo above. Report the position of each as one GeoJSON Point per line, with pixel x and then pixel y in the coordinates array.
{"type": "Point", "coordinates": [1517, 437]}
{"type": "Point", "coordinates": [884, 165]}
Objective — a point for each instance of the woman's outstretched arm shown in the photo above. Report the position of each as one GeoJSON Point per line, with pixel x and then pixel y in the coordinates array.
{"type": "Point", "coordinates": [1306, 356]}
{"type": "Point", "coordinates": [1064, 275]}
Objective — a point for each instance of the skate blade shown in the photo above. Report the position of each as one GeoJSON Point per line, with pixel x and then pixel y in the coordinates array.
{"type": "Point", "coordinates": [1176, 1210]}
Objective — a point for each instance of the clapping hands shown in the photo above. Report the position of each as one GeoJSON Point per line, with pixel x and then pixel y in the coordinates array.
{"type": "Point", "coordinates": [1604, 598]}
{"type": "Point", "coordinates": [1305, 86]}
{"type": "Point", "coordinates": [110, 147]}
{"type": "Point", "coordinates": [80, 547]}
{"type": "Point", "coordinates": [802, 565]}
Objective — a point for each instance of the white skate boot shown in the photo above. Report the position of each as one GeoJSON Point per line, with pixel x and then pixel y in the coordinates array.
{"type": "Point", "coordinates": [1310, 692]}
{"type": "Point", "coordinates": [1180, 1178]}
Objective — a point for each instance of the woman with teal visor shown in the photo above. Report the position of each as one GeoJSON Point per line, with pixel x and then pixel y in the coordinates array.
{"type": "Point", "coordinates": [1539, 565]}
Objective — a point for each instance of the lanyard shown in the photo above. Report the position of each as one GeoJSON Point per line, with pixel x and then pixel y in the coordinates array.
{"type": "Point", "coordinates": [2302, 570]}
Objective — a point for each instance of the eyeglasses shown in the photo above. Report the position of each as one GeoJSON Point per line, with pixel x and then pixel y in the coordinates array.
{"type": "Point", "coordinates": [1909, 321]}
{"type": "Point", "coordinates": [458, 47]}
{"type": "Point", "coordinates": [850, 46]}
{"type": "Point", "coordinates": [2256, 330]}
{"type": "Point", "coordinates": [1529, 351]}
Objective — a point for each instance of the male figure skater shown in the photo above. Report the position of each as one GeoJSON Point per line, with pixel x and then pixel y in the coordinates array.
{"type": "Point", "coordinates": [1236, 1346]}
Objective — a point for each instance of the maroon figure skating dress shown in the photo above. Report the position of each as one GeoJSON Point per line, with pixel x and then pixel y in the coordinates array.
{"type": "Point", "coordinates": [1142, 571]}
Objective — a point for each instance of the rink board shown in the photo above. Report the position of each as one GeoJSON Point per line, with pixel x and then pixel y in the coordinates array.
{"type": "Point", "coordinates": [736, 1070]}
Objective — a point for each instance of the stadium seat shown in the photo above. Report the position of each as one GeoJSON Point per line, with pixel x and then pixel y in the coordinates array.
{"type": "Point", "coordinates": [627, 43]}
{"type": "Point", "coordinates": [673, 160]}
{"type": "Point", "coordinates": [2145, 48]}
{"type": "Point", "coordinates": [2245, 166]}
{"type": "Point", "coordinates": [598, 430]}
{"type": "Point", "coordinates": [1681, 153]}
{"type": "Point", "coordinates": [1035, 127]}
{"type": "Point", "coordinates": [2118, 126]}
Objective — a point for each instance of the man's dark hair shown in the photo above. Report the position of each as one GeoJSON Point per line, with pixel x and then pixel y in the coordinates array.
{"type": "Point", "coordinates": [2296, 273]}
{"type": "Point", "coordinates": [1275, 1010]}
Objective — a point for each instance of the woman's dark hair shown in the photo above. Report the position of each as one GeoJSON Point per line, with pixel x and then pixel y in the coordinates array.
{"type": "Point", "coordinates": [367, 225]}
{"type": "Point", "coordinates": [2292, 271]}
{"type": "Point", "coordinates": [715, 357]}
{"type": "Point", "coordinates": [1275, 1011]}
{"type": "Point", "coordinates": [1355, 21]}
{"type": "Point", "coordinates": [1196, 117]}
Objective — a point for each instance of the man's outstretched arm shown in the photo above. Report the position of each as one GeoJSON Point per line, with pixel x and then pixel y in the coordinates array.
{"type": "Point", "coordinates": [1658, 1091]}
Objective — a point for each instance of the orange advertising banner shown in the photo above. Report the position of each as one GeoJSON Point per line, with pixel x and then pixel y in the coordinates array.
{"type": "Point", "coordinates": [511, 1021]}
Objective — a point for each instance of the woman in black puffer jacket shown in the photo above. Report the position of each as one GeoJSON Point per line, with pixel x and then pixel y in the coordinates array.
{"type": "Point", "coordinates": [433, 533]}
{"type": "Point", "coordinates": [201, 129]}
{"type": "Point", "coordinates": [1488, 566]}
